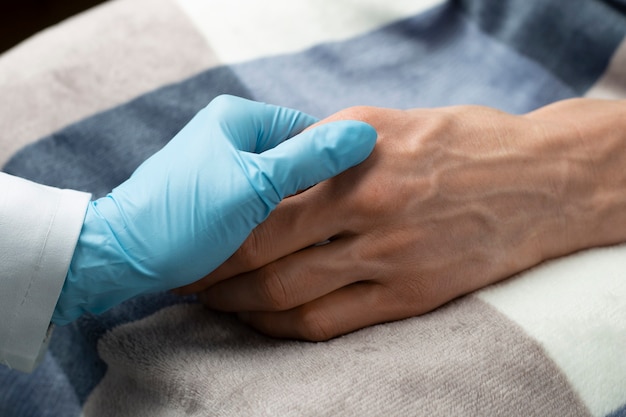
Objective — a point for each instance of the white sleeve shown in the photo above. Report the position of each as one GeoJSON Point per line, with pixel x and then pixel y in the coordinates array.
{"type": "Point", "coordinates": [39, 228]}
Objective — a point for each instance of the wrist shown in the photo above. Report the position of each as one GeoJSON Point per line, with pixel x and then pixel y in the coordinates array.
{"type": "Point", "coordinates": [97, 273]}
{"type": "Point", "coordinates": [587, 140]}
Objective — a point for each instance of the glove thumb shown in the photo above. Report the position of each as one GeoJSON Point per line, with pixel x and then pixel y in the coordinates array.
{"type": "Point", "coordinates": [308, 158]}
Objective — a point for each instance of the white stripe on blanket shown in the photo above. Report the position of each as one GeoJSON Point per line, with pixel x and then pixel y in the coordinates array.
{"type": "Point", "coordinates": [612, 85]}
{"type": "Point", "coordinates": [244, 30]}
{"type": "Point", "coordinates": [581, 299]}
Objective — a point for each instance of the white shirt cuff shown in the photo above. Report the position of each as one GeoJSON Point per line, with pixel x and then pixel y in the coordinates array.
{"type": "Point", "coordinates": [39, 228]}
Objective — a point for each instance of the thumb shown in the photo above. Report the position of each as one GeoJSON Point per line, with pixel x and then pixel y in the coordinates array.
{"type": "Point", "coordinates": [308, 158]}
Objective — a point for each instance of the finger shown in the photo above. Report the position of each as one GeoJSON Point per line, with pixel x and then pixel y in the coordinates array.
{"type": "Point", "coordinates": [253, 126]}
{"type": "Point", "coordinates": [291, 281]}
{"type": "Point", "coordinates": [308, 158]}
{"type": "Point", "coordinates": [297, 223]}
{"type": "Point", "coordinates": [343, 311]}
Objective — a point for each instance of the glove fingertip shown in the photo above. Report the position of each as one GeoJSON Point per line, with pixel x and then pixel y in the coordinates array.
{"type": "Point", "coordinates": [309, 158]}
{"type": "Point", "coordinates": [352, 141]}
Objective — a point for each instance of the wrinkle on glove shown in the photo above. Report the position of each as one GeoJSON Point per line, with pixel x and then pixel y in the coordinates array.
{"type": "Point", "coordinates": [187, 208]}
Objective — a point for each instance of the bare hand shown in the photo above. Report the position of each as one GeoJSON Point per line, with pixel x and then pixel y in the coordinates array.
{"type": "Point", "coordinates": [451, 200]}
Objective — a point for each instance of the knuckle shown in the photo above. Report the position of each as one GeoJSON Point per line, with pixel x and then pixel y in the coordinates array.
{"type": "Point", "coordinates": [442, 121]}
{"type": "Point", "coordinates": [248, 255]}
{"type": "Point", "coordinates": [359, 112]}
{"type": "Point", "coordinates": [314, 326]}
{"type": "Point", "coordinates": [366, 114]}
{"type": "Point", "coordinates": [272, 289]}
{"type": "Point", "coordinates": [374, 203]}
{"type": "Point", "coordinates": [221, 101]}
{"type": "Point", "coordinates": [225, 108]}
{"type": "Point", "coordinates": [416, 295]}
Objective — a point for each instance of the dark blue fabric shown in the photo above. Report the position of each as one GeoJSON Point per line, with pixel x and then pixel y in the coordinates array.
{"type": "Point", "coordinates": [621, 412]}
{"type": "Point", "coordinates": [102, 151]}
{"type": "Point", "coordinates": [49, 392]}
{"type": "Point", "coordinates": [86, 370]}
{"type": "Point", "coordinates": [573, 39]}
{"type": "Point", "coordinates": [72, 368]}
{"type": "Point", "coordinates": [619, 5]}
{"type": "Point", "coordinates": [438, 58]}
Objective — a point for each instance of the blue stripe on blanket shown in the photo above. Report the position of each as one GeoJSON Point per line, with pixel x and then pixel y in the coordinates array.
{"type": "Point", "coordinates": [86, 369]}
{"type": "Point", "coordinates": [437, 58]}
{"type": "Point", "coordinates": [619, 5]}
{"type": "Point", "coordinates": [434, 59]}
{"type": "Point", "coordinates": [621, 412]}
{"type": "Point", "coordinates": [574, 40]}
{"type": "Point", "coordinates": [47, 391]}
{"type": "Point", "coordinates": [71, 368]}
{"type": "Point", "coordinates": [102, 151]}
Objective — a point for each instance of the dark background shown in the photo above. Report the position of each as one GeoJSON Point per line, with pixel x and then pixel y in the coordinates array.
{"type": "Point", "coordinates": [21, 18]}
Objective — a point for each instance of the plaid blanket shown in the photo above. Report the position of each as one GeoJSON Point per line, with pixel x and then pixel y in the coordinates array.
{"type": "Point", "coordinates": [84, 103]}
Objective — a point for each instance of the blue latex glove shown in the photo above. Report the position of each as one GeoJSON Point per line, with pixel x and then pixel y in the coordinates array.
{"type": "Point", "coordinates": [186, 209]}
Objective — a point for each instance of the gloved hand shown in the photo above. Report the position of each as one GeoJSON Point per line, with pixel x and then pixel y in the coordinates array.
{"type": "Point", "coordinates": [186, 209]}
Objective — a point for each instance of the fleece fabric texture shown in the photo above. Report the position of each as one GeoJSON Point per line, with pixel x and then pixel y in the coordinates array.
{"type": "Point", "coordinates": [84, 105]}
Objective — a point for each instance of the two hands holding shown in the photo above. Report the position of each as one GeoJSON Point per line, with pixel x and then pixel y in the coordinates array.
{"type": "Point", "coordinates": [449, 200]}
